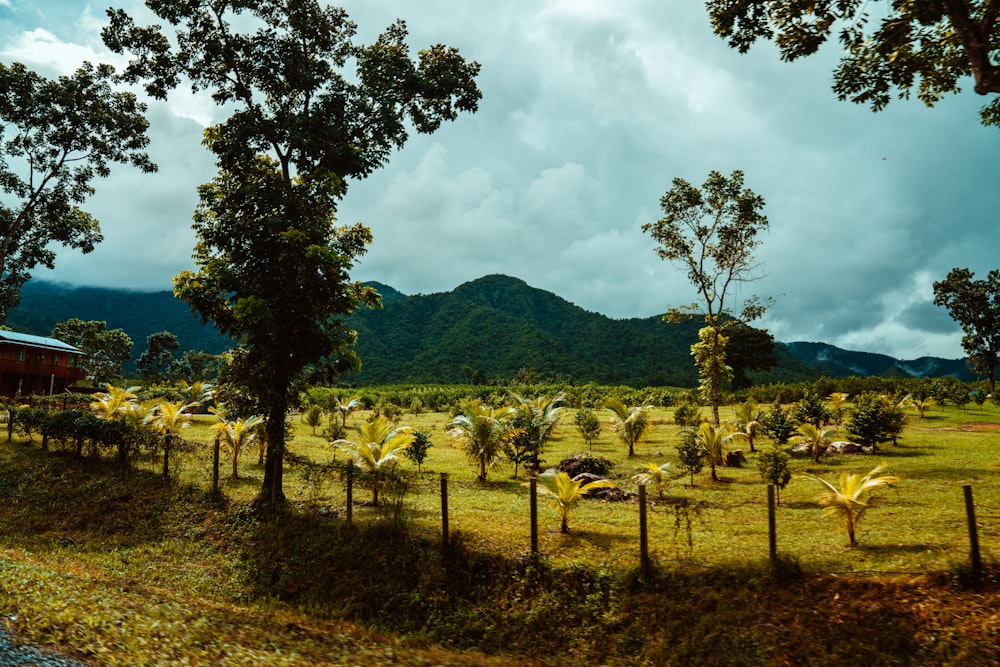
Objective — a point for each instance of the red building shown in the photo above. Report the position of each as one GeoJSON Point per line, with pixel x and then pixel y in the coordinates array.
{"type": "Point", "coordinates": [36, 365]}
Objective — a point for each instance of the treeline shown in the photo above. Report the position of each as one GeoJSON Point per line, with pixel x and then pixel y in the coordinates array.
{"type": "Point", "coordinates": [445, 397]}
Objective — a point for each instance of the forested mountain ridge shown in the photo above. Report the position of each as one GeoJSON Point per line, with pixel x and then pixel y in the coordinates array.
{"type": "Point", "coordinates": [494, 326]}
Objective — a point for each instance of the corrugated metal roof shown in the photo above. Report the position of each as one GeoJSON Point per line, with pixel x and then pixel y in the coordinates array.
{"type": "Point", "coordinates": [37, 341]}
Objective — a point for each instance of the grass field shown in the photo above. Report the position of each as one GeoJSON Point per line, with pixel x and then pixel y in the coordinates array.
{"type": "Point", "coordinates": [123, 568]}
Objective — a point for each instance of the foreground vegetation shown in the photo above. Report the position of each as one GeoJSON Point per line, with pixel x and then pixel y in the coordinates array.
{"type": "Point", "coordinates": [122, 567]}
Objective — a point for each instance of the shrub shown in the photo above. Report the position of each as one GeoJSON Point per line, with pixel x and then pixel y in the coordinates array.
{"type": "Point", "coordinates": [586, 463]}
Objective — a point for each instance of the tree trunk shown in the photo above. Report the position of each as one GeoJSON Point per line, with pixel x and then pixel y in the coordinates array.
{"type": "Point", "coordinates": [272, 491]}
{"type": "Point", "coordinates": [215, 466]}
{"type": "Point", "coordinates": [166, 455]}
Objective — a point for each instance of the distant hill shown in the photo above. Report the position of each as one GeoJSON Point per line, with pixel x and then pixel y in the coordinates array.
{"type": "Point", "coordinates": [139, 314]}
{"type": "Point", "coordinates": [489, 327]}
{"type": "Point", "coordinates": [836, 362]}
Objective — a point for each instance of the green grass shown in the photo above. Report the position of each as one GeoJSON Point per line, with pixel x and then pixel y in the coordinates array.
{"type": "Point", "coordinates": [124, 568]}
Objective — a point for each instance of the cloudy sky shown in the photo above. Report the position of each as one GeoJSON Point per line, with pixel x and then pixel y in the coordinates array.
{"type": "Point", "coordinates": [589, 110]}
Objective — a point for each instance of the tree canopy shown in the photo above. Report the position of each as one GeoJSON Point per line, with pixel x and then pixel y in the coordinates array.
{"type": "Point", "coordinates": [57, 136]}
{"type": "Point", "coordinates": [106, 349]}
{"type": "Point", "coordinates": [975, 305]}
{"type": "Point", "coordinates": [924, 47]}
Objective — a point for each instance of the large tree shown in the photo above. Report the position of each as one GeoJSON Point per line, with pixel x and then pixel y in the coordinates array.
{"type": "Point", "coordinates": [57, 135]}
{"type": "Point", "coordinates": [106, 349]}
{"type": "Point", "coordinates": [975, 305]}
{"type": "Point", "coordinates": [712, 232]}
{"type": "Point", "coordinates": [158, 363]}
{"type": "Point", "coordinates": [273, 268]}
{"type": "Point", "coordinates": [918, 46]}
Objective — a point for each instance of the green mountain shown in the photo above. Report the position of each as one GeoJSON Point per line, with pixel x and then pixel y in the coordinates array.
{"type": "Point", "coordinates": [139, 314]}
{"type": "Point", "coordinates": [495, 326]}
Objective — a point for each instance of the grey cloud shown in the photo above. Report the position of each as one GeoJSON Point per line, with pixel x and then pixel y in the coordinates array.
{"type": "Point", "coordinates": [589, 111]}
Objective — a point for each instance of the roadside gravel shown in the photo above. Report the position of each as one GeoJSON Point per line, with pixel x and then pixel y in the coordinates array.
{"type": "Point", "coordinates": [15, 654]}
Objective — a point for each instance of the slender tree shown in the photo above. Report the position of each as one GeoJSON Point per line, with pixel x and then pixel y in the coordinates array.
{"type": "Point", "coordinates": [273, 271]}
{"type": "Point", "coordinates": [58, 135]}
{"type": "Point", "coordinates": [712, 232]}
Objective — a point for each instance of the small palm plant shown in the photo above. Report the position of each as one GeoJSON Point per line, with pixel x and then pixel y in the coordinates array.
{"type": "Point", "coordinates": [657, 474]}
{"type": "Point", "coordinates": [848, 500]}
{"type": "Point", "coordinates": [629, 423]}
{"type": "Point", "coordinates": [169, 418]}
{"type": "Point", "coordinates": [376, 451]}
{"type": "Point", "coordinates": [235, 435]}
{"type": "Point", "coordinates": [713, 439]}
{"type": "Point", "coordinates": [747, 418]}
{"type": "Point", "coordinates": [566, 493]}
{"type": "Point", "coordinates": [817, 438]}
{"type": "Point", "coordinates": [479, 430]}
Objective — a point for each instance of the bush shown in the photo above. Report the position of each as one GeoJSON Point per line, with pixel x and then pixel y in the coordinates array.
{"type": "Point", "coordinates": [873, 420]}
{"type": "Point", "coordinates": [586, 463]}
{"type": "Point", "coordinates": [778, 425]}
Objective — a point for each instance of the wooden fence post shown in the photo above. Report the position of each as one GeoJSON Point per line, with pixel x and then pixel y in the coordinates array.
{"type": "Point", "coordinates": [771, 526]}
{"type": "Point", "coordinates": [444, 511]}
{"type": "Point", "coordinates": [970, 515]}
{"type": "Point", "coordinates": [533, 488]}
{"type": "Point", "coordinates": [350, 493]}
{"type": "Point", "coordinates": [215, 466]}
{"type": "Point", "coordinates": [643, 535]}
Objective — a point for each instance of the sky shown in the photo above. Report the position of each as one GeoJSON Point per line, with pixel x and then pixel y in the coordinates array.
{"type": "Point", "coordinates": [590, 109]}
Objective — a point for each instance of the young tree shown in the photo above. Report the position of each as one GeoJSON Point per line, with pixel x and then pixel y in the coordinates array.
{"type": "Point", "coordinates": [629, 423]}
{"type": "Point", "coordinates": [479, 431]}
{"type": "Point", "coordinates": [61, 134]}
{"type": "Point", "coordinates": [712, 232]}
{"type": "Point", "coordinates": [169, 418]}
{"type": "Point", "coordinates": [772, 462]}
{"type": "Point", "coordinates": [657, 474]}
{"type": "Point", "coordinates": [975, 305]}
{"type": "Point", "coordinates": [923, 46]}
{"type": "Point", "coordinates": [376, 451]}
{"type": "Point", "coordinates": [536, 419]}
{"type": "Point", "coordinates": [106, 350]}
{"type": "Point", "coordinates": [273, 269]}
{"type": "Point", "coordinates": [566, 493]}
{"type": "Point", "coordinates": [691, 454]}
{"type": "Point", "coordinates": [588, 425]}
{"type": "Point", "coordinates": [873, 420]}
{"type": "Point", "coordinates": [747, 417]}
{"type": "Point", "coordinates": [158, 363]}
{"type": "Point", "coordinates": [417, 451]}
{"type": "Point", "coordinates": [817, 438]}
{"type": "Point", "coordinates": [852, 497]}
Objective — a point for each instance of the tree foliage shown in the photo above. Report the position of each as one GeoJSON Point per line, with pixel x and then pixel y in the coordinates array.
{"type": "Point", "coordinates": [772, 462]}
{"type": "Point", "coordinates": [975, 305]}
{"type": "Point", "coordinates": [874, 420]}
{"type": "Point", "coordinates": [58, 135]}
{"type": "Point", "coordinates": [106, 350]}
{"type": "Point", "coordinates": [924, 47]}
{"type": "Point", "coordinates": [158, 363]}
{"type": "Point", "coordinates": [712, 232]}
{"type": "Point", "coordinates": [272, 268]}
